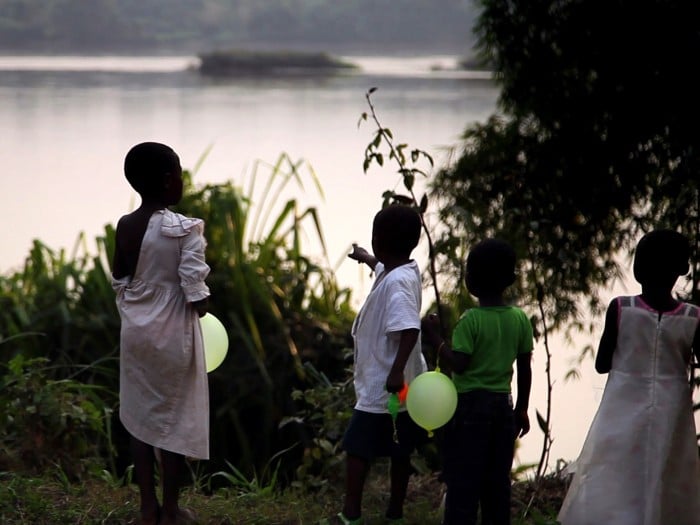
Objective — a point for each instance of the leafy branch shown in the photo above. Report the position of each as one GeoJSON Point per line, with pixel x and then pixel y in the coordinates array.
{"type": "Point", "coordinates": [398, 154]}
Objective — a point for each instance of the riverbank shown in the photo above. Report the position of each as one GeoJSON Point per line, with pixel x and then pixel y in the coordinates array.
{"type": "Point", "coordinates": [244, 62]}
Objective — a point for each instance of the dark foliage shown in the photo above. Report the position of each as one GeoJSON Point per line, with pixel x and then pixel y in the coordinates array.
{"type": "Point", "coordinates": [596, 142]}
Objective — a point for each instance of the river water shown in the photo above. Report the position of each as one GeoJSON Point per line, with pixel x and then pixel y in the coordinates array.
{"type": "Point", "coordinates": [67, 122]}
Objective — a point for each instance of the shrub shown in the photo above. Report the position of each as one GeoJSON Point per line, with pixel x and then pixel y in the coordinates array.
{"type": "Point", "coordinates": [45, 422]}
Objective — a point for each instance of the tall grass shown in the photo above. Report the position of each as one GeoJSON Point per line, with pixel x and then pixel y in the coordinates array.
{"type": "Point", "coordinates": [62, 307]}
{"type": "Point", "coordinates": [279, 402]}
{"type": "Point", "coordinates": [280, 305]}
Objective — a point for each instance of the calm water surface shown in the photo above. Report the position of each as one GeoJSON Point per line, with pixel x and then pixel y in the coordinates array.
{"type": "Point", "coordinates": [67, 122]}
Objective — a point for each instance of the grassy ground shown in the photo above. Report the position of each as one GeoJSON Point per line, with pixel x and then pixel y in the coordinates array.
{"type": "Point", "coordinates": [52, 500]}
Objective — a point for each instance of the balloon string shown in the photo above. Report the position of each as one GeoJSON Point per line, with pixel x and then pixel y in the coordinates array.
{"type": "Point", "coordinates": [437, 362]}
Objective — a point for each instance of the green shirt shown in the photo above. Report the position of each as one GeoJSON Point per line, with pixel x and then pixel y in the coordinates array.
{"type": "Point", "coordinates": [493, 337]}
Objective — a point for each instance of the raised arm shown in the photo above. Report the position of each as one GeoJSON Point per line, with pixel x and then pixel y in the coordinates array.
{"type": "Point", "coordinates": [361, 255]}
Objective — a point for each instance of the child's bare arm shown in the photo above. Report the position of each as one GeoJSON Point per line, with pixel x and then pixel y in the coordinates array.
{"type": "Point", "coordinates": [395, 379]}
{"type": "Point", "coordinates": [524, 372]}
{"type": "Point", "coordinates": [456, 361]}
{"type": "Point", "coordinates": [361, 255]}
{"type": "Point", "coordinates": [608, 341]}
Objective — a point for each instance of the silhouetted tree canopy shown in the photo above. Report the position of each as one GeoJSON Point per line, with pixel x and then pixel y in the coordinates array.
{"type": "Point", "coordinates": [596, 140]}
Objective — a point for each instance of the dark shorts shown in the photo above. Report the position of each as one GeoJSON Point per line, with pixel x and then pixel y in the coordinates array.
{"type": "Point", "coordinates": [369, 435]}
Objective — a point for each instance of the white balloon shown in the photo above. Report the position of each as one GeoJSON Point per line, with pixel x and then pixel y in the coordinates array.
{"type": "Point", "coordinates": [215, 341]}
{"type": "Point", "coordinates": [431, 400]}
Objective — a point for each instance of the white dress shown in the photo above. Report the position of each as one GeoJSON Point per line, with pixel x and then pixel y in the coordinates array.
{"type": "Point", "coordinates": [639, 464]}
{"type": "Point", "coordinates": [163, 394]}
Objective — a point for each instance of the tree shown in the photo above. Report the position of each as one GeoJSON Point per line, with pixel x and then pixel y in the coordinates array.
{"type": "Point", "coordinates": [595, 143]}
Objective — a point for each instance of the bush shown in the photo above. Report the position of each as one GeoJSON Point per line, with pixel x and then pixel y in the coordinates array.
{"type": "Point", "coordinates": [47, 423]}
{"type": "Point", "coordinates": [324, 411]}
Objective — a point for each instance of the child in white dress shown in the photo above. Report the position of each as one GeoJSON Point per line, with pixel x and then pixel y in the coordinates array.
{"type": "Point", "coordinates": [639, 464]}
{"type": "Point", "coordinates": [158, 274]}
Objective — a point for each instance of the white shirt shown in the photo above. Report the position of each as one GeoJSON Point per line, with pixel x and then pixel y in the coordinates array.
{"type": "Point", "coordinates": [393, 305]}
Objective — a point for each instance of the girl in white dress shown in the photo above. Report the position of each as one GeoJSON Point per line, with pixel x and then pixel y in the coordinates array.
{"type": "Point", "coordinates": [639, 464]}
{"type": "Point", "coordinates": [158, 275]}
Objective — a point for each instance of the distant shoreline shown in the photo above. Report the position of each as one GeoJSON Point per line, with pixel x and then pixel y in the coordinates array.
{"type": "Point", "coordinates": [279, 64]}
{"type": "Point", "coordinates": [239, 61]}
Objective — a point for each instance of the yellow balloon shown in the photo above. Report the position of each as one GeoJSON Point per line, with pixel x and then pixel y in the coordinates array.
{"type": "Point", "coordinates": [432, 400]}
{"type": "Point", "coordinates": [215, 341]}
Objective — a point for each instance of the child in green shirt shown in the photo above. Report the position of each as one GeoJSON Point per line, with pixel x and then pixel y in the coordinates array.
{"type": "Point", "coordinates": [480, 438]}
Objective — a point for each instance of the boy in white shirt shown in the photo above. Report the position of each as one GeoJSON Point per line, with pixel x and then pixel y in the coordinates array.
{"type": "Point", "coordinates": [387, 354]}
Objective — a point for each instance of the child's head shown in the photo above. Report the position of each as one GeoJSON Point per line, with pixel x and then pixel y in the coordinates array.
{"type": "Point", "coordinates": [154, 171]}
{"type": "Point", "coordinates": [660, 258]}
{"type": "Point", "coordinates": [490, 267]}
{"type": "Point", "coordinates": [395, 232]}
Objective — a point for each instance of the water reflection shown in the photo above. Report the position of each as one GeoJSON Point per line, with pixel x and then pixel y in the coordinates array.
{"type": "Point", "coordinates": [432, 66]}
{"type": "Point", "coordinates": [67, 122]}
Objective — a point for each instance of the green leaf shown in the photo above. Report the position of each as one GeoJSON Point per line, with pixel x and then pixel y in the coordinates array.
{"type": "Point", "coordinates": [423, 206]}
{"type": "Point", "coordinates": [542, 423]}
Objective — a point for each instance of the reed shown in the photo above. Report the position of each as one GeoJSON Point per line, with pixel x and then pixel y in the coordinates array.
{"type": "Point", "coordinates": [281, 307]}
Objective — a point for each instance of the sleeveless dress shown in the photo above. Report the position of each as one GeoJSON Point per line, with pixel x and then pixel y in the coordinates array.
{"type": "Point", "coordinates": [639, 463]}
{"type": "Point", "coordinates": [163, 390]}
